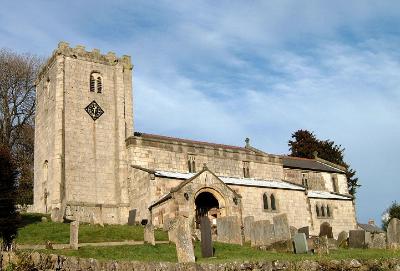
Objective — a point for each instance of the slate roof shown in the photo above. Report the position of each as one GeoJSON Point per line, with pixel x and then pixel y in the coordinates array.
{"type": "Point", "coordinates": [327, 195]}
{"type": "Point", "coordinates": [370, 228]}
{"type": "Point", "coordinates": [304, 163]}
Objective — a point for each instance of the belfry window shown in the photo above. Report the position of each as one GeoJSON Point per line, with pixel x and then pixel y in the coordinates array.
{"type": "Point", "coordinates": [96, 82]}
{"type": "Point", "coordinates": [191, 163]}
{"type": "Point", "coordinates": [246, 169]}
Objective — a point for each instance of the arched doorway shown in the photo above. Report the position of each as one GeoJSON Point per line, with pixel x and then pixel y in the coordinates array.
{"type": "Point", "coordinates": [206, 205]}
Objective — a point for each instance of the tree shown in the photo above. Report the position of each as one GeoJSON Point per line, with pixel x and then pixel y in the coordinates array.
{"type": "Point", "coordinates": [8, 212]}
{"type": "Point", "coordinates": [17, 109]}
{"type": "Point", "coordinates": [392, 212]}
{"type": "Point", "coordinates": [304, 144]}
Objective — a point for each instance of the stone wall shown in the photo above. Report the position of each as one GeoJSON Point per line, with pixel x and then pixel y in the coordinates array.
{"type": "Point", "coordinates": [342, 216]}
{"type": "Point", "coordinates": [314, 179]}
{"type": "Point", "coordinates": [172, 155]}
{"type": "Point", "coordinates": [36, 261]}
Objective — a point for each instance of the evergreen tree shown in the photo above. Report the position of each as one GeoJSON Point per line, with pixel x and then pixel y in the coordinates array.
{"type": "Point", "coordinates": [392, 212]}
{"type": "Point", "coordinates": [304, 144]}
{"type": "Point", "coordinates": [8, 212]}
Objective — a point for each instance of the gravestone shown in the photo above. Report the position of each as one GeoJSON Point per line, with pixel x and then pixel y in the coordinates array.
{"type": "Point", "coordinates": [149, 234]}
{"type": "Point", "coordinates": [248, 220]}
{"type": "Point", "coordinates": [325, 230]}
{"type": "Point", "coordinates": [305, 230]}
{"type": "Point", "coordinates": [183, 241]}
{"type": "Point", "coordinates": [378, 240]}
{"type": "Point", "coordinates": [206, 241]}
{"type": "Point", "coordinates": [229, 230]}
{"type": "Point", "coordinates": [393, 233]}
{"type": "Point", "coordinates": [300, 243]}
{"type": "Point", "coordinates": [321, 245]}
{"type": "Point", "coordinates": [74, 234]}
{"type": "Point", "coordinates": [293, 231]}
{"type": "Point", "coordinates": [342, 239]}
{"type": "Point", "coordinates": [132, 217]}
{"type": "Point", "coordinates": [281, 227]}
{"type": "Point", "coordinates": [262, 233]}
{"type": "Point", "coordinates": [172, 224]}
{"type": "Point", "coordinates": [357, 239]}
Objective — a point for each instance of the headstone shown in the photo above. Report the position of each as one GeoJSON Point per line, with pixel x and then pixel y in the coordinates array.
{"type": "Point", "coordinates": [305, 230]}
{"type": "Point", "coordinates": [172, 224]}
{"type": "Point", "coordinates": [262, 233]}
{"type": "Point", "coordinates": [281, 227]}
{"type": "Point", "coordinates": [247, 221]}
{"type": "Point", "coordinates": [184, 245]}
{"type": "Point", "coordinates": [229, 230]}
{"type": "Point", "coordinates": [300, 243]}
{"type": "Point", "coordinates": [74, 234]}
{"type": "Point", "coordinates": [206, 241]}
{"type": "Point", "coordinates": [321, 245]}
{"type": "Point", "coordinates": [357, 239]}
{"type": "Point", "coordinates": [293, 231]}
{"type": "Point", "coordinates": [132, 217]}
{"type": "Point", "coordinates": [149, 234]}
{"type": "Point", "coordinates": [342, 239]}
{"type": "Point", "coordinates": [56, 215]}
{"type": "Point", "coordinates": [393, 233]}
{"type": "Point", "coordinates": [44, 219]}
{"type": "Point", "coordinates": [325, 230]}
{"type": "Point", "coordinates": [378, 240]}
{"type": "Point", "coordinates": [166, 224]}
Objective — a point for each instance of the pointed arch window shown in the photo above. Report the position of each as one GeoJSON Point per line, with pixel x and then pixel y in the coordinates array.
{"type": "Point", "coordinates": [273, 202]}
{"type": "Point", "coordinates": [317, 210]}
{"type": "Point", "coordinates": [265, 201]}
{"type": "Point", "coordinates": [322, 210]}
{"type": "Point", "coordinates": [328, 211]}
{"type": "Point", "coordinates": [96, 82]}
{"type": "Point", "coordinates": [191, 163]}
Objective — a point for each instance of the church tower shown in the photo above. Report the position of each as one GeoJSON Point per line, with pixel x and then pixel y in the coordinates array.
{"type": "Point", "coordinates": [83, 116]}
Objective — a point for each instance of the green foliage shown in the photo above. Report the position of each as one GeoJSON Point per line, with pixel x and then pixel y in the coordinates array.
{"type": "Point", "coordinates": [392, 212]}
{"type": "Point", "coordinates": [33, 231]}
{"type": "Point", "coordinates": [8, 212]}
{"type": "Point", "coordinates": [304, 144]}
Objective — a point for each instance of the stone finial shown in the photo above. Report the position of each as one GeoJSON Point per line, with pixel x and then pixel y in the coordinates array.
{"type": "Point", "coordinates": [315, 153]}
{"type": "Point", "coordinates": [247, 140]}
{"type": "Point", "coordinates": [63, 45]}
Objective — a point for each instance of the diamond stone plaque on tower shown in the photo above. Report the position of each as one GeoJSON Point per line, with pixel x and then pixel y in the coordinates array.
{"type": "Point", "coordinates": [94, 110]}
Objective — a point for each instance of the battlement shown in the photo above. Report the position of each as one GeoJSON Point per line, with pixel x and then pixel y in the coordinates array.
{"type": "Point", "coordinates": [79, 52]}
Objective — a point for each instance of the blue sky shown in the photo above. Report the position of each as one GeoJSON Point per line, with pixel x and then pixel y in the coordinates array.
{"type": "Point", "coordinates": [222, 71]}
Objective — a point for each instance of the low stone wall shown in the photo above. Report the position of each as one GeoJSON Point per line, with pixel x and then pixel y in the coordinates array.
{"type": "Point", "coordinates": [36, 261]}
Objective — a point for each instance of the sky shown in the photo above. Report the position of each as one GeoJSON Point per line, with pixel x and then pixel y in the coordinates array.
{"type": "Point", "coordinates": [221, 71]}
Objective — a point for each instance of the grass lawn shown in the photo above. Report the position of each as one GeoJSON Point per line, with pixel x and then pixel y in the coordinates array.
{"type": "Point", "coordinates": [223, 253]}
{"type": "Point", "coordinates": [34, 231]}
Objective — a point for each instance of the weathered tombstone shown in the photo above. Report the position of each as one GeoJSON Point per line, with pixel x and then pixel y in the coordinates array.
{"type": "Point", "coordinates": [172, 224]}
{"type": "Point", "coordinates": [321, 245]}
{"type": "Point", "coordinates": [74, 234]}
{"type": "Point", "coordinates": [293, 231]}
{"type": "Point", "coordinates": [167, 224]}
{"type": "Point", "coordinates": [132, 217]}
{"type": "Point", "coordinates": [393, 233]}
{"type": "Point", "coordinates": [378, 241]}
{"type": "Point", "coordinates": [281, 227]}
{"type": "Point", "coordinates": [149, 234]}
{"type": "Point", "coordinates": [262, 233]}
{"type": "Point", "coordinates": [357, 239]}
{"type": "Point", "coordinates": [44, 219]}
{"type": "Point", "coordinates": [184, 245]}
{"type": "Point", "coordinates": [229, 230]}
{"type": "Point", "coordinates": [300, 243]}
{"type": "Point", "coordinates": [342, 239]}
{"type": "Point", "coordinates": [325, 230]}
{"type": "Point", "coordinates": [305, 230]}
{"type": "Point", "coordinates": [206, 241]}
{"type": "Point", "coordinates": [248, 220]}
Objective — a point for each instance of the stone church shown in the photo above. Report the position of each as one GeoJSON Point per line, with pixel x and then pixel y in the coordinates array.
{"type": "Point", "coordinates": [91, 165]}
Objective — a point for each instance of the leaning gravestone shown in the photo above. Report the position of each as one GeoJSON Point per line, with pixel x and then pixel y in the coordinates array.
{"type": "Point", "coordinates": [300, 243]}
{"type": "Point", "coordinates": [229, 230]}
{"type": "Point", "coordinates": [132, 217]}
{"type": "Point", "coordinates": [342, 239]}
{"type": "Point", "coordinates": [281, 227]}
{"type": "Point", "coordinates": [325, 230]}
{"type": "Point", "coordinates": [247, 221]}
{"type": "Point", "coordinates": [393, 233]}
{"type": "Point", "coordinates": [184, 245]}
{"type": "Point", "coordinates": [357, 239]}
{"type": "Point", "coordinates": [149, 234]}
{"type": "Point", "coordinates": [206, 241]}
{"type": "Point", "coordinates": [305, 230]}
{"type": "Point", "coordinates": [262, 233]}
{"type": "Point", "coordinates": [74, 234]}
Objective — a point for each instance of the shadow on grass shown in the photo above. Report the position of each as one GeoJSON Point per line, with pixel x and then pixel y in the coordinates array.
{"type": "Point", "coordinates": [30, 218]}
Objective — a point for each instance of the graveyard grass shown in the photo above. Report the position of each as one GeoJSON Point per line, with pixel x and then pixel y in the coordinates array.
{"type": "Point", "coordinates": [224, 253]}
{"type": "Point", "coordinates": [33, 231]}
